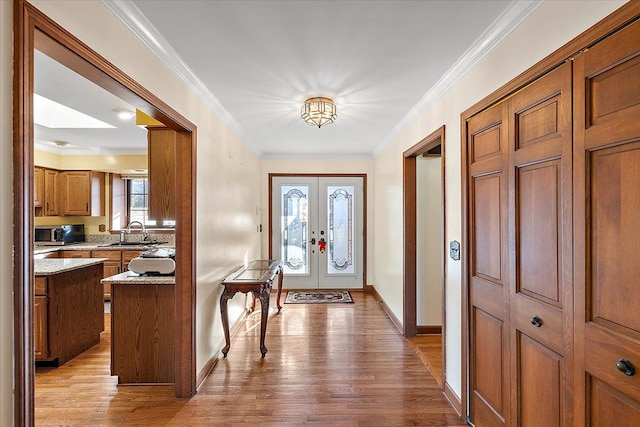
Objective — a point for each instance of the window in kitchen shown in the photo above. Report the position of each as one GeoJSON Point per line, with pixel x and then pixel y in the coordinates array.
{"type": "Point", "coordinates": [138, 203]}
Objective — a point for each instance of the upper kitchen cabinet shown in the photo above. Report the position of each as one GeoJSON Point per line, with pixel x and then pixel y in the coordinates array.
{"type": "Point", "coordinates": [50, 202]}
{"type": "Point", "coordinates": [82, 193]}
{"type": "Point", "coordinates": [162, 173]}
{"type": "Point", "coordinates": [38, 187]}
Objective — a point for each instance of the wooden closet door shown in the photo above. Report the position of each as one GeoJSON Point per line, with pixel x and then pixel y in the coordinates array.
{"type": "Point", "coordinates": [540, 241]}
{"type": "Point", "coordinates": [489, 350]}
{"type": "Point", "coordinates": [607, 230]}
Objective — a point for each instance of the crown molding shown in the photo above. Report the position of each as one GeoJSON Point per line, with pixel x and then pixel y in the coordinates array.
{"type": "Point", "coordinates": [132, 18]}
{"type": "Point", "coordinates": [509, 20]}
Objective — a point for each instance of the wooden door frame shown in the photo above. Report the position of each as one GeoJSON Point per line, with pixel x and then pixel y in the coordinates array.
{"type": "Point", "coordinates": [326, 175]}
{"type": "Point", "coordinates": [31, 28]}
{"type": "Point", "coordinates": [409, 186]}
{"type": "Point", "coordinates": [410, 211]}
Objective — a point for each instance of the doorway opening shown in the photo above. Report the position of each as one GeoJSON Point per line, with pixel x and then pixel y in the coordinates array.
{"type": "Point", "coordinates": [424, 240]}
{"type": "Point", "coordinates": [34, 30]}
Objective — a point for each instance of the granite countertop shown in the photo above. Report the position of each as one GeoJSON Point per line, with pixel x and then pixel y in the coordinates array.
{"type": "Point", "coordinates": [51, 266]}
{"type": "Point", "coordinates": [131, 278]}
{"type": "Point", "coordinates": [43, 249]}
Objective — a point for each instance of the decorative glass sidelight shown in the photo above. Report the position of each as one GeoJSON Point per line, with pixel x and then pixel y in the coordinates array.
{"type": "Point", "coordinates": [295, 229]}
{"type": "Point", "coordinates": [341, 230]}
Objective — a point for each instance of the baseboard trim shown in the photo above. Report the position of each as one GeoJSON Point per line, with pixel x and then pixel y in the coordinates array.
{"type": "Point", "coordinates": [429, 330]}
{"type": "Point", "coordinates": [387, 310]}
{"type": "Point", "coordinates": [453, 399]}
{"type": "Point", "coordinates": [213, 361]}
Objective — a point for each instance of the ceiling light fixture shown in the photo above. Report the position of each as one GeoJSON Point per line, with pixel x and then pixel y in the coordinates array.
{"type": "Point", "coordinates": [124, 114]}
{"type": "Point", "coordinates": [61, 143]}
{"type": "Point", "coordinates": [319, 111]}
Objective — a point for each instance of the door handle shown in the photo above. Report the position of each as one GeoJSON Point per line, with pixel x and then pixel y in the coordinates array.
{"type": "Point", "coordinates": [313, 240]}
{"type": "Point", "coordinates": [626, 367]}
{"type": "Point", "coordinates": [536, 321]}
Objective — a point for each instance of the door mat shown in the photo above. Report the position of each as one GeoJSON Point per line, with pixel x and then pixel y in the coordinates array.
{"type": "Point", "coordinates": [317, 297]}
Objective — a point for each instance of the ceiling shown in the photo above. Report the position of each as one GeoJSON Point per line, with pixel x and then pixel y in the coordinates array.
{"type": "Point", "coordinates": [255, 62]}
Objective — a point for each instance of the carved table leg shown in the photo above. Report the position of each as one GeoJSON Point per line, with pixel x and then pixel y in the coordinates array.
{"type": "Point", "coordinates": [253, 302]}
{"type": "Point", "coordinates": [280, 275]}
{"type": "Point", "coordinates": [264, 301]}
{"type": "Point", "coordinates": [226, 295]}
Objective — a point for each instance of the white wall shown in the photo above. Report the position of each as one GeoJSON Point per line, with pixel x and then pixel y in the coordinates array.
{"type": "Point", "coordinates": [319, 166]}
{"type": "Point", "coordinates": [6, 216]}
{"type": "Point", "coordinates": [228, 180]}
{"type": "Point", "coordinates": [429, 241]}
{"type": "Point", "coordinates": [548, 28]}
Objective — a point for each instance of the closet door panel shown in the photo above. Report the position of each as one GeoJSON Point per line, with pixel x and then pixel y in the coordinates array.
{"type": "Point", "coordinates": [540, 227]}
{"type": "Point", "coordinates": [607, 212]}
{"type": "Point", "coordinates": [541, 370]}
{"type": "Point", "coordinates": [607, 404]}
{"type": "Point", "coordinates": [488, 293]}
{"type": "Point", "coordinates": [611, 86]}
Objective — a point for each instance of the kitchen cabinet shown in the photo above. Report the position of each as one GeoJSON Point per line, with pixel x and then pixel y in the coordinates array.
{"type": "Point", "coordinates": [40, 319]}
{"type": "Point", "coordinates": [68, 308]}
{"type": "Point", "coordinates": [82, 193]}
{"type": "Point", "coordinates": [50, 198]}
{"type": "Point", "coordinates": [162, 173]}
{"type": "Point", "coordinates": [111, 267]}
{"type": "Point", "coordinates": [38, 187]}
{"type": "Point", "coordinates": [127, 256]}
{"type": "Point", "coordinates": [76, 254]}
{"type": "Point", "coordinates": [148, 304]}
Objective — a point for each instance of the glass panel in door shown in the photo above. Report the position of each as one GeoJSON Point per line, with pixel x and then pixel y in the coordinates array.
{"type": "Point", "coordinates": [341, 234]}
{"type": "Point", "coordinates": [295, 229]}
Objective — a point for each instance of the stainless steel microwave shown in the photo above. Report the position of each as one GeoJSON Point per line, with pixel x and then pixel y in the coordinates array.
{"type": "Point", "coordinates": [59, 234]}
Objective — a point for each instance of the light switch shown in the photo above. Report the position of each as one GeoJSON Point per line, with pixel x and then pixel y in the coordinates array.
{"type": "Point", "coordinates": [454, 250]}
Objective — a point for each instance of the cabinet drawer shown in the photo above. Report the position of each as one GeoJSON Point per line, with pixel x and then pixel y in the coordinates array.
{"type": "Point", "coordinates": [111, 255]}
{"type": "Point", "coordinates": [76, 254]}
{"type": "Point", "coordinates": [40, 286]}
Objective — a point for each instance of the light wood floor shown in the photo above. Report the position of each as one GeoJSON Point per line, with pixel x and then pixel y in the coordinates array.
{"type": "Point", "coordinates": [327, 365]}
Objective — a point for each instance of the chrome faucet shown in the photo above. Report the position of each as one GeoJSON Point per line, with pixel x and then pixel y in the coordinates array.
{"type": "Point", "coordinates": [128, 231]}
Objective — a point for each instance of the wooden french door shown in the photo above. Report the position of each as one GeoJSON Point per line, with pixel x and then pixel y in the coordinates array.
{"type": "Point", "coordinates": [318, 231]}
{"type": "Point", "coordinates": [607, 228]}
{"type": "Point", "coordinates": [521, 300]}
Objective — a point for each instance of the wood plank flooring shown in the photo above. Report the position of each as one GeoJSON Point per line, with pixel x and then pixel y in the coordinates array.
{"type": "Point", "coordinates": [327, 365]}
{"type": "Point", "coordinates": [429, 349]}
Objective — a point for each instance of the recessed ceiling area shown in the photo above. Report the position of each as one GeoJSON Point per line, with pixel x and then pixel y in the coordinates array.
{"type": "Point", "coordinates": [57, 83]}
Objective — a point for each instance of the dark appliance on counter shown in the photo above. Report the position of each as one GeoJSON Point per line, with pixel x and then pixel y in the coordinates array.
{"type": "Point", "coordinates": [59, 234]}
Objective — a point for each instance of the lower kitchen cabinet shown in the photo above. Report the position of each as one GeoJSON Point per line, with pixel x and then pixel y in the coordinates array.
{"type": "Point", "coordinates": [40, 319]}
{"type": "Point", "coordinates": [146, 356]}
{"type": "Point", "coordinates": [111, 267]}
{"type": "Point", "coordinates": [68, 313]}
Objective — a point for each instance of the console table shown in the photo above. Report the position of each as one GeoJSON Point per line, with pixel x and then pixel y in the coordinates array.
{"type": "Point", "coordinates": [256, 277]}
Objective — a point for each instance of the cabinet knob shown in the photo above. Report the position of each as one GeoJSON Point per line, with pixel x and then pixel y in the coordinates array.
{"type": "Point", "coordinates": [626, 367]}
{"type": "Point", "coordinates": [536, 321]}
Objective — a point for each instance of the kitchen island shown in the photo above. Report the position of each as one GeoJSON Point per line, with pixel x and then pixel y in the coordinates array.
{"type": "Point", "coordinates": [142, 328]}
{"type": "Point", "coordinates": [69, 309]}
